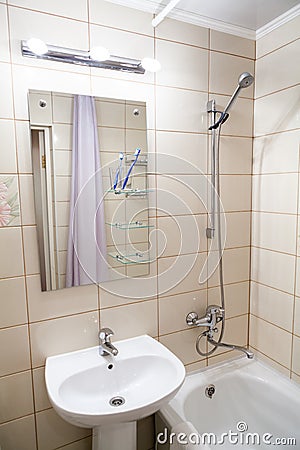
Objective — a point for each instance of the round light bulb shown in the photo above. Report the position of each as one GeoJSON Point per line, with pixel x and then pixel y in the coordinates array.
{"type": "Point", "coordinates": [37, 46]}
{"type": "Point", "coordinates": [151, 64]}
{"type": "Point", "coordinates": [99, 53]}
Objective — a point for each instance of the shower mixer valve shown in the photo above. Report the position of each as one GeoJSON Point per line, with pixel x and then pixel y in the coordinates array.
{"type": "Point", "coordinates": [214, 314]}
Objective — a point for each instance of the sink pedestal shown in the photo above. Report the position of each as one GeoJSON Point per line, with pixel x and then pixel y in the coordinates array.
{"type": "Point", "coordinates": [115, 437]}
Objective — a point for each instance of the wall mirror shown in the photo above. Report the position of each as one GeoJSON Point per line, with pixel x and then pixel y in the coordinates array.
{"type": "Point", "coordinates": [90, 183]}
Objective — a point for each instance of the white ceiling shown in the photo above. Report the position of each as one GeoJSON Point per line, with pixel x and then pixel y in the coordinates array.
{"type": "Point", "coordinates": [248, 18]}
{"type": "Point", "coordinates": [251, 14]}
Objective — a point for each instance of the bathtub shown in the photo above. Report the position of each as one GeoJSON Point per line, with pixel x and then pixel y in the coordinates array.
{"type": "Point", "coordinates": [249, 397]}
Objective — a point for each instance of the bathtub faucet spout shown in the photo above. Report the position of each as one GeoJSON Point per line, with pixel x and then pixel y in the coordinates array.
{"type": "Point", "coordinates": [247, 352]}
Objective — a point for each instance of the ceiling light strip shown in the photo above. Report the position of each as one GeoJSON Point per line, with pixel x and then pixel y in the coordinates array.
{"type": "Point", "coordinates": [83, 58]}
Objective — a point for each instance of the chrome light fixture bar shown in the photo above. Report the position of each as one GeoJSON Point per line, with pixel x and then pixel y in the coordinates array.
{"type": "Point", "coordinates": [83, 58]}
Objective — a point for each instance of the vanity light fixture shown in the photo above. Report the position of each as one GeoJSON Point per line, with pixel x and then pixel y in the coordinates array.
{"type": "Point", "coordinates": [96, 57]}
{"type": "Point", "coordinates": [37, 46]}
{"type": "Point", "coordinates": [151, 64]}
{"type": "Point", "coordinates": [99, 53]}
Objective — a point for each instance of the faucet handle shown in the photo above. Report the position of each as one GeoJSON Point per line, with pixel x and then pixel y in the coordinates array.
{"type": "Point", "coordinates": [105, 334]}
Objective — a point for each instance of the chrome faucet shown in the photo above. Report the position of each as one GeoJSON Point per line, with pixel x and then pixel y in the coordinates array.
{"type": "Point", "coordinates": [247, 352]}
{"type": "Point", "coordinates": [106, 347]}
{"type": "Point", "coordinates": [214, 315]}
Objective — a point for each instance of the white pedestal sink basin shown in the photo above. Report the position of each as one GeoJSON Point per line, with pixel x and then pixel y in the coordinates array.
{"type": "Point", "coordinates": [109, 393]}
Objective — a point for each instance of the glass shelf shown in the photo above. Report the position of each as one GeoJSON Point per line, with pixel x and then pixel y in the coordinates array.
{"type": "Point", "coordinates": [131, 192]}
{"type": "Point", "coordinates": [133, 258]}
{"type": "Point", "coordinates": [130, 225]}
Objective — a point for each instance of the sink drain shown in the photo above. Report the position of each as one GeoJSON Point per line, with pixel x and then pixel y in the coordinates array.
{"type": "Point", "coordinates": [117, 401]}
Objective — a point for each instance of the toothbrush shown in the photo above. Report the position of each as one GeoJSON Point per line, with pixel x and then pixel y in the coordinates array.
{"type": "Point", "coordinates": [136, 155]}
{"type": "Point", "coordinates": [119, 170]}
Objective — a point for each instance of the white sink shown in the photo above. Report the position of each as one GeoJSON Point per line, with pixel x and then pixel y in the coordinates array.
{"type": "Point", "coordinates": [81, 384]}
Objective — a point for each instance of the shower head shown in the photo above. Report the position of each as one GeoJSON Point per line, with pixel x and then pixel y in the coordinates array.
{"type": "Point", "coordinates": [245, 80]}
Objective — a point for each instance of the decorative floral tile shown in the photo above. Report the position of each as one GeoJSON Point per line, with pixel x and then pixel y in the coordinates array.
{"type": "Point", "coordinates": [9, 201]}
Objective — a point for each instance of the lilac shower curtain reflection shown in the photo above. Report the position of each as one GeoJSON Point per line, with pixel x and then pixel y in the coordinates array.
{"type": "Point", "coordinates": [86, 253]}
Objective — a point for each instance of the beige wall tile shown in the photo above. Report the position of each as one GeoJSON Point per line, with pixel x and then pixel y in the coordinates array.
{"type": "Point", "coordinates": [278, 70]}
{"type": "Point", "coordinates": [181, 152]}
{"type": "Point", "coordinates": [273, 269]}
{"type": "Point", "coordinates": [62, 109]}
{"type": "Point", "coordinates": [180, 110]}
{"type": "Point", "coordinates": [241, 116]}
{"type": "Point", "coordinates": [297, 316]}
{"type": "Point", "coordinates": [182, 66]}
{"type": "Point", "coordinates": [41, 399]}
{"type": "Point", "coordinates": [236, 297]}
{"type": "Point", "coordinates": [229, 43]}
{"type": "Point", "coordinates": [271, 340]}
{"type": "Point", "coordinates": [78, 10]}
{"type": "Point", "coordinates": [275, 193]}
{"type": "Point", "coordinates": [180, 235]}
{"type": "Point", "coordinates": [268, 156]}
{"type": "Point", "coordinates": [174, 30]}
{"type": "Point", "coordinates": [238, 229]}
{"type": "Point", "coordinates": [225, 71]}
{"type": "Point", "coordinates": [52, 29]}
{"type": "Point", "coordinates": [23, 147]}
{"type": "Point", "coordinates": [109, 14]}
{"type": "Point", "coordinates": [110, 114]}
{"type": "Point", "coordinates": [235, 155]}
{"type": "Point", "coordinates": [296, 355]}
{"type": "Point", "coordinates": [180, 275]}
{"type": "Point", "coordinates": [268, 112]}
{"type": "Point", "coordinates": [274, 231]}
{"type": "Point", "coordinates": [278, 37]}
{"type": "Point", "coordinates": [6, 105]}
{"type": "Point", "coordinates": [181, 194]}
{"type": "Point", "coordinates": [57, 336]}
{"type": "Point", "coordinates": [27, 200]}
{"type": "Point", "coordinates": [135, 122]}
{"type": "Point", "coordinates": [16, 397]}
{"type": "Point", "coordinates": [236, 266]}
{"type": "Point", "coordinates": [4, 45]}
{"type": "Point", "coordinates": [174, 309]}
{"type": "Point", "coordinates": [15, 356]}
{"type": "Point", "coordinates": [131, 320]}
{"type": "Point", "coordinates": [53, 432]}
{"type": "Point", "coordinates": [47, 305]}
{"type": "Point", "coordinates": [272, 305]}
{"type": "Point", "coordinates": [8, 162]}
{"type": "Point", "coordinates": [11, 262]}
{"type": "Point", "coordinates": [12, 302]}
{"type": "Point", "coordinates": [241, 186]}
{"type": "Point", "coordinates": [32, 265]}
{"type": "Point", "coordinates": [25, 78]}
{"type": "Point", "coordinates": [297, 290]}
{"type": "Point", "coordinates": [182, 344]}
{"type": "Point", "coordinates": [126, 44]}
{"type": "Point", "coordinates": [18, 433]}
{"type": "Point", "coordinates": [271, 363]}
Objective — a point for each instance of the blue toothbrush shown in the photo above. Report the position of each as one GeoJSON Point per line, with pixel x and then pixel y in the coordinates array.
{"type": "Point", "coordinates": [136, 155]}
{"type": "Point", "coordinates": [119, 170]}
